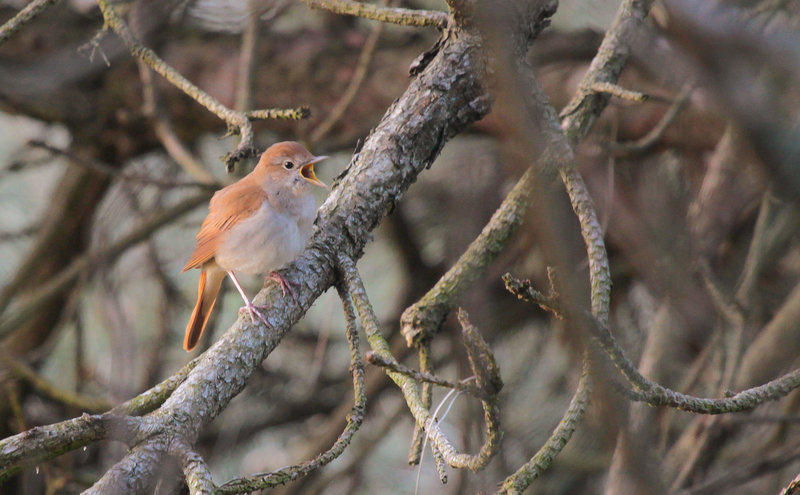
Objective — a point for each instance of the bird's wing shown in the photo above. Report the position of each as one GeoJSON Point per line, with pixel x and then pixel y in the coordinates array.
{"type": "Point", "coordinates": [228, 207]}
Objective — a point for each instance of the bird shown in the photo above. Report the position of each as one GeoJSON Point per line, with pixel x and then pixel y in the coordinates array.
{"type": "Point", "coordinates": [254, 226]}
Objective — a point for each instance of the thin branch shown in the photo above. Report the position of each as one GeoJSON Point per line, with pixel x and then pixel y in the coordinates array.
{"type": "Point", "coordinates": [287, 114]}
{"type": "Point", "coordinates": [425, 366]}
{"type": "Point", "coordinates": [165, 132]}
{"type": "Point", "coordinates": [587, 104]}
{"type": "Point", "coordinates": [524, 476]}
{"type": "Point", "coordinates": [524, 290]}
{"type": "Point", "coordinates": [354, 419]}
{"type": "Point", "coordinates": [619, 92]}
{"type": "Point", "coordinates": [405, 17]}
{"type": "Point", "coordinates": [422, 320]}
{"type": "Point", "coordinates": [421, 376]}
{"type": "Point", "coordinates": [657, 395]}
{"type": "Point", "coordinates": [238, 122]}
{"type": "Point", "coordinates": [79, 401]}
{"type": "Point", "coordinates": [364, 60]}
{"type": "Point", "coordinates": [30, 11]}
{"type": "Point", "coordinates": [793, 487]}
{"type": "Point", "coordinates": [117, 174]}
{"type": "Point", "coordinates": [64, 279]}
{"type": "Point", "coordinates": [409, 387]}
{"type": "Point", "coordinates": [657, 132]}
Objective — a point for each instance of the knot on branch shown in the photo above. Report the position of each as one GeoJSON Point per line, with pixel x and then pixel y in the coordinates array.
{"type": "Point", "coordinates": [419, 323]}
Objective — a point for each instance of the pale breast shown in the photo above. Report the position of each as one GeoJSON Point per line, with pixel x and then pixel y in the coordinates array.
{"type": "Point", "coordinates": [267, 240]}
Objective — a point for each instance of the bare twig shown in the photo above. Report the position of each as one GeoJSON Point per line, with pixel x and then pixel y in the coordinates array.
{"type": "Point", "coordinates": [792, 487]}
{"type": "Point", "coordinates": [406, 17]}
{"type": "Point", "coordinates": [422, 320]}
{"type": "Point", "coordinates": [165, 132]}
{"type": "Point", "coordinates": [421, 376]}
{"type": "Point", "coordinates": [619, 92]}
{"type": "Point", "coordinates": [364, 60]}
{"type": "Point", "coordinates": [425, 366]}
{"type": "Point", "coordinates": [656, 133]}
{"type": "Point", "coordinates": [117, 174]}
{"type": "Point", "coordinates": [30, 11]}
{"type": "Point", "coordinates": [521, 480]}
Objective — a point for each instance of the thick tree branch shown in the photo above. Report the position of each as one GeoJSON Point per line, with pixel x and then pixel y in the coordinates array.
{"type": "Point", "coordinates": [21, 451]}
{"type": "Point", "coordinates": [39, 444]}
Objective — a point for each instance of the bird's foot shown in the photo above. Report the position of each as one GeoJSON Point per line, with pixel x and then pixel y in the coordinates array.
{"type": "Point", "coordinates": [255, 313]}
{"type": "Point", "coordinates": [286, 286]}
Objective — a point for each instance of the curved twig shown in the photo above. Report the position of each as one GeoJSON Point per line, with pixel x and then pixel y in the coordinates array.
{"type": "Point", "coordinates": [524, 476]}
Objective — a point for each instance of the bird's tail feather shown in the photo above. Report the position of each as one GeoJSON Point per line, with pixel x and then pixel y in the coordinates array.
{"type": "Point", "coordinates": [207, 290]}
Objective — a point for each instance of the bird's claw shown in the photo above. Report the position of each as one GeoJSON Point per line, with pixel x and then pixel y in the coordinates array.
{"type": "Point", "coordinates": [286, 286]}
{"type": "Point", "coordinates": [255, 314]}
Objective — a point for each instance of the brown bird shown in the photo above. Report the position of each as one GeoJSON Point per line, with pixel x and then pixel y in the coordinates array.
{"type": "Point", "coordinates": [254, 226]}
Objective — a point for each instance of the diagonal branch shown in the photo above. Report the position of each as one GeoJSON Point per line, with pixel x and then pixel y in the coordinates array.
{"type": "Point", "coordinates": [30, 11]}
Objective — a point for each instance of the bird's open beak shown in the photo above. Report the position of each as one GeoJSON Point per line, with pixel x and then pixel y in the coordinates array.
{"type": "Point", "coordinates": [307, 171]}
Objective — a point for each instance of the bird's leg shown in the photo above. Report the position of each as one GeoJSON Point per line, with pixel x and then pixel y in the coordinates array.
{"type": "Point", "coordinates": [251, 308]}
{"type": "Point", "coordinates": [285, 285]}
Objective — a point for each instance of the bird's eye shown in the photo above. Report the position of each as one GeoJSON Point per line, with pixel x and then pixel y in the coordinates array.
{"type": "Point", "coordinates": [288, 164]}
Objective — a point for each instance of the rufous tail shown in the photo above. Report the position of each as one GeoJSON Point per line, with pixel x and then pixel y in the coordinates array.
{"type": "Point", "coordinates": [207, 290]}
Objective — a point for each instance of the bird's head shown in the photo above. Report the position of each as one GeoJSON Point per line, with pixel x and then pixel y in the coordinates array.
{"type": "Point", "coordinates": [289, 164]}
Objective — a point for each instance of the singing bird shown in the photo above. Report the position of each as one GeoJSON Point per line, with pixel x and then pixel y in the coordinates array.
{"type": "Point", "coordinates": [254, 226]}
